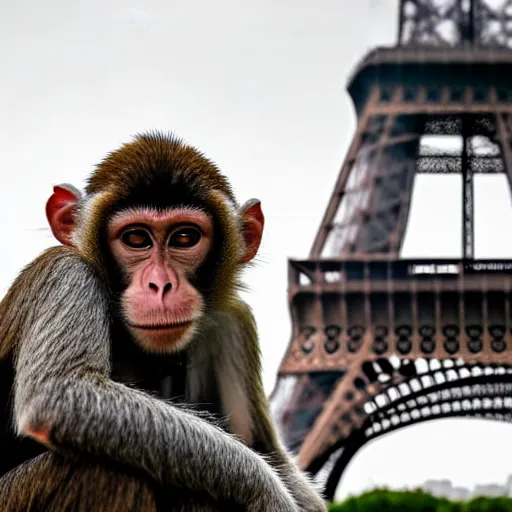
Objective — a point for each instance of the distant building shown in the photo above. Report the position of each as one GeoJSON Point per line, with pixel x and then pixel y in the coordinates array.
{"type": "Point", "coordinates": [438, 488]}
{"type": "Point", "coordinates": [460, 494]}
{"type": "Point", "coordinates": [444, 489]}
{"type": "Point", "coordinates": [508, 486]}
{"type": "Point", "coordinates": [491, 490]}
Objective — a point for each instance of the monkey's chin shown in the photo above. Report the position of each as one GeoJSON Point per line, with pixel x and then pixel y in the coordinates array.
{"type": "Point", "coordinates": [163, 340]}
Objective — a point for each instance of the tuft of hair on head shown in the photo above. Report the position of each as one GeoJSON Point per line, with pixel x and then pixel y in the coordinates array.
{"type": "Point", "coordinates": [158, 159]}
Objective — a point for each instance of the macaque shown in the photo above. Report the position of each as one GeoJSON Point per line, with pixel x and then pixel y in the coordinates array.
{"type": "Point", "coordinates": [130, 368]}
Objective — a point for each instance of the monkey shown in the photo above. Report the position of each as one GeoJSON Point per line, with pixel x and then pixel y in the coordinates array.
{"type": "Point", "coordinates": [132, 367]}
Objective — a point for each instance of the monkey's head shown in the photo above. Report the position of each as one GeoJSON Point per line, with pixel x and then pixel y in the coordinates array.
{"type": "Point", "coordinates": [161, 227]}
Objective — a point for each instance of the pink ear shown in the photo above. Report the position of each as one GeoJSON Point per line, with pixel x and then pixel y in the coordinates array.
{"type": "Point", "coordinates": [61, 212]}
{"type": "Point", "coordinates": [252, 228]}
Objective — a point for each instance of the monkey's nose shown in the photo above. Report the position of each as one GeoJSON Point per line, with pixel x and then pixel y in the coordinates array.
{"type": "Point", "coordinates": [155, 288]}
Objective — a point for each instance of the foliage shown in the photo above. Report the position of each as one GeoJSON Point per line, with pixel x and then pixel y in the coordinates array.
{"type": "Point", "coordinates": [383, 500]}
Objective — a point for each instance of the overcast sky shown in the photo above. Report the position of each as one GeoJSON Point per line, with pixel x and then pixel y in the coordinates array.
{"type": "Point", "coordinates": [259, 87]}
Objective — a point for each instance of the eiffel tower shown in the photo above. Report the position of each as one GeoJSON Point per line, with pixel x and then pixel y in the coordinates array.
{"type": "Point", "coordinates": [380, 342]}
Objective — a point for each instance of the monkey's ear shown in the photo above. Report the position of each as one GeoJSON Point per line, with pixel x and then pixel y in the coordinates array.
{"type": "Point", "coordinates": [252, 228]}
{"type": "Point", "coordinates": [61, 212]}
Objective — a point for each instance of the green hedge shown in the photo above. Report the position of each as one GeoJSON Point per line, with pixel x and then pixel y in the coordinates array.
{"type": "Point", "coordinates": [417, 501]}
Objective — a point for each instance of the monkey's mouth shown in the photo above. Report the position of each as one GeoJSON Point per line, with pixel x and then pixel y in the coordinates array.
{"type": "Point", "coordinates": [163, 327]}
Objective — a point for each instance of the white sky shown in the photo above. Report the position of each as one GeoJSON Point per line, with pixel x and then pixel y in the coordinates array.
{"type": "Point", "coordinates": [259, 87]}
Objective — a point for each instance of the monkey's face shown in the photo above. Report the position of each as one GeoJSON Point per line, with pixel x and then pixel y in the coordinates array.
{"type": "Point", "coordinates": [159, 252]}
{"type": "Point", "coordinates": [172, 265]}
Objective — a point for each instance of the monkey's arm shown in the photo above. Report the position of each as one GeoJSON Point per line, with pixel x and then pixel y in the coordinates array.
{"type": "Point", "coordinates": [64, 398]}
{"type": "Point", "coordinates": [265, 439]}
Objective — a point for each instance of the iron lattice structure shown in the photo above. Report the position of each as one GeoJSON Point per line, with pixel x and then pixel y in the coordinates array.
{"type": "Point", "coordinates": [381, 342]}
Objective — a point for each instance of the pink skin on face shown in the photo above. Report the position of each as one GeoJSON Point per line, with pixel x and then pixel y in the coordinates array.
{"type": "Point", "coordinates": [159, 251]}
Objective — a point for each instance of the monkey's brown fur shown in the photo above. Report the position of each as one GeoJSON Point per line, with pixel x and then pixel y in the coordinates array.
{"type": "Point", "coordinates": [154, 153]}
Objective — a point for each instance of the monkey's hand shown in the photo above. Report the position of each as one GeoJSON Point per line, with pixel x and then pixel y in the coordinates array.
{"type": "Point", "coordinates": [298, 483]}
{"type": "Point", "coordinates": [306, 497]}
{"type": "Point", "coordinates": [276, 499]}
{"type": "Point", "coordinates": [304, 493]}
{"type": "Point", "coordinates": [311, 502]}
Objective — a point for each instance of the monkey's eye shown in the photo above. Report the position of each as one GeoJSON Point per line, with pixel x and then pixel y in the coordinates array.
{"type": "Point", "coordinates": [136, 239]}
{"type": "Point", "coordinates": [185, 237]}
